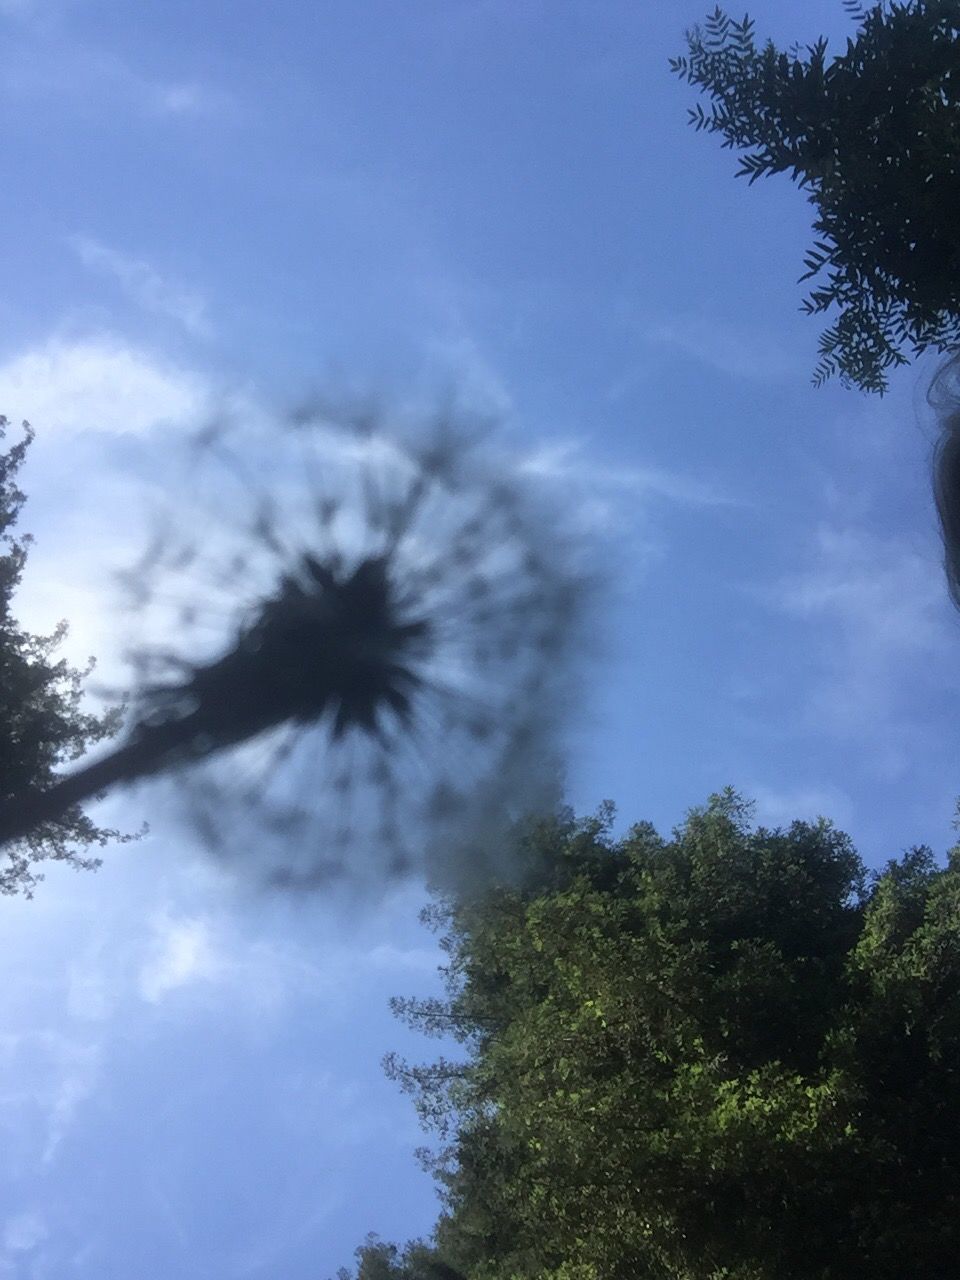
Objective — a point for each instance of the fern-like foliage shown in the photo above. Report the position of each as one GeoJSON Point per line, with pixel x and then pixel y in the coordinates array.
{"type": "Point", "coordinates": [873, 137]}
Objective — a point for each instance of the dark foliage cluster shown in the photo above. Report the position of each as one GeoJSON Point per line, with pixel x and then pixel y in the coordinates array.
{"type": "Point", "coordinates": [42, 721]}
{"type": "Point", "coordinates": [873, 136]}
{"type": "Point", "coordinates": [731, 1054]}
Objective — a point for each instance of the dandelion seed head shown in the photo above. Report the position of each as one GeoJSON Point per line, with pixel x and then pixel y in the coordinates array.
{"type": "Point", "coordinates": [370, 638]}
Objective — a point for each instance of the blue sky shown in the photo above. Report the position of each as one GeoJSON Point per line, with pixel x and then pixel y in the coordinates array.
{"type": "Point", "coordinates": [221, 201]}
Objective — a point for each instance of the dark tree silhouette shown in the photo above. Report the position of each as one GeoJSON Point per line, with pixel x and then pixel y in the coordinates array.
{"type": "Point", "coordinates": [42, 723]}
{"type": "Point", "coordinates": [873, 137]}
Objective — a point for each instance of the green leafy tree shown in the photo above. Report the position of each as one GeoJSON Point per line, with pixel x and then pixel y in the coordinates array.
{"type": "Point", "coordinates": [378, 1260]}
{"type": "Point", "coordinates": [42, 721]}
{"type": "Point", "coordinates": [873, 136]}
{"type": "Point", "coordinates": [729, 1055]}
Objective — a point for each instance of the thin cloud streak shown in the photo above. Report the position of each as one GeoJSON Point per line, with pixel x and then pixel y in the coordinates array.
{"type": "Point", "coordinates": [723, 345]}
{"type": "Point", "coordinates": [883, 647]}
{"type": "Point", "coordinates": [565, 461]}
{"type": "Point", "coordinates": [779, 807]}
{"type": "Point", "coordinates": [144, 286]}
{"type": "Point", "coordinates": [40, 65]}
{"type": "Point", "coordinates": [60, 1072]}
{"type": "Point", "coordinates": [883, 594]}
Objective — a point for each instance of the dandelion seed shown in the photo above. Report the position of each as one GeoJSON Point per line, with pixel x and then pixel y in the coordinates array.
{"type": "Point", "coordinates": [356, 669]}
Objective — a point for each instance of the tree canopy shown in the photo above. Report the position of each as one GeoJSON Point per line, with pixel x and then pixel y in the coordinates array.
{"type": "Point", "coordinates": [729, 1054]}
{"type": "Point", "coordinates": [873, 136]}
{"type": "Point", "coordinates": [42, 720]}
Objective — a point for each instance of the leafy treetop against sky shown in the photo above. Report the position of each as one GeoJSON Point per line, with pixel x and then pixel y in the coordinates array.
{"type": "Point", "coordinates": [871, 135]}
{"type": "Point", "coordinates": [222, 208]}
{"type": "Point", "coordinates": [729, 1052]}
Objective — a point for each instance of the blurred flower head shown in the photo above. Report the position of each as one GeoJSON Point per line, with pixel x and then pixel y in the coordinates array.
{"type": "Point", "coordinates": [358, 645]}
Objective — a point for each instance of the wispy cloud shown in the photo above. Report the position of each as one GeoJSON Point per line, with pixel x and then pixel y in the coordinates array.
{"type": "Point", "coordinates": [23, 1232]}
{"type": "Point", "coordinates": [42, 65]}
{"type": "Point", "coordinates": [37, 13]}
{"type": "Point", "coordinates": [45, 1076]}
{"type": "Point", "coordinates": [197, 955]}
{"type": "Point", "coordinates": [724, 345]}
{"type": "Point", "coordinates": [16, 8]}
{"type": "Point", "coordinates": [183, 99]}
{"type": "Point", "coordinates": [22, 1238]}
{"type": "Point", "coordinates": [201, 952]}
{"type": "Point", "coordinates": [565, 460]}
{"type": "Point", "coordinates": [392, 959]}
{"type": "Point", "coordinates": [885, 595]}
{"type": "Point", "coordinates": [145, 286]}
{"type": "Point", "coordinates": [778, 807]}
{"type": "Point", "coordinates": [90, 996]}
{"type": "Point", "coordinates": [459, 359]}
{"type": "Point", "coordinates": [883, 647]}
{"type": "Point", "coordinates": [79, 1074]}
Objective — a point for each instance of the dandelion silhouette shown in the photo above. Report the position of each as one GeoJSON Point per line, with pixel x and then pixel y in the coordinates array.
{"type": "Point", "coordinates": [365, 642]}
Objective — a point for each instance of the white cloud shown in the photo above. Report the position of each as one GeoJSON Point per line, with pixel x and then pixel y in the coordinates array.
{"type": "Point", "coordinates": [100, 384]}
{"type": "Point", "coordinates": [253, 975]}
{"type": "Point", "coordinates": [184, 954]}
{"type": "Point", "coordinates": [145, 286]}
{"type": "Point", "coordinates": [92, 518]}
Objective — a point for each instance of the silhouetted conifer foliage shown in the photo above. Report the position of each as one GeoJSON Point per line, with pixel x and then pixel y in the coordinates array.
{"type": "Point", "coordinates": [42, 723]}
{"type": "Point", "coordinates": [873, 136]}
{"type": "Point", "coordinates": [731, 1054]}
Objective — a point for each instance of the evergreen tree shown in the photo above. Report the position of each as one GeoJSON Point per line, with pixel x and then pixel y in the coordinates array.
{"type": "Point", "coordinates": [42, 721]}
